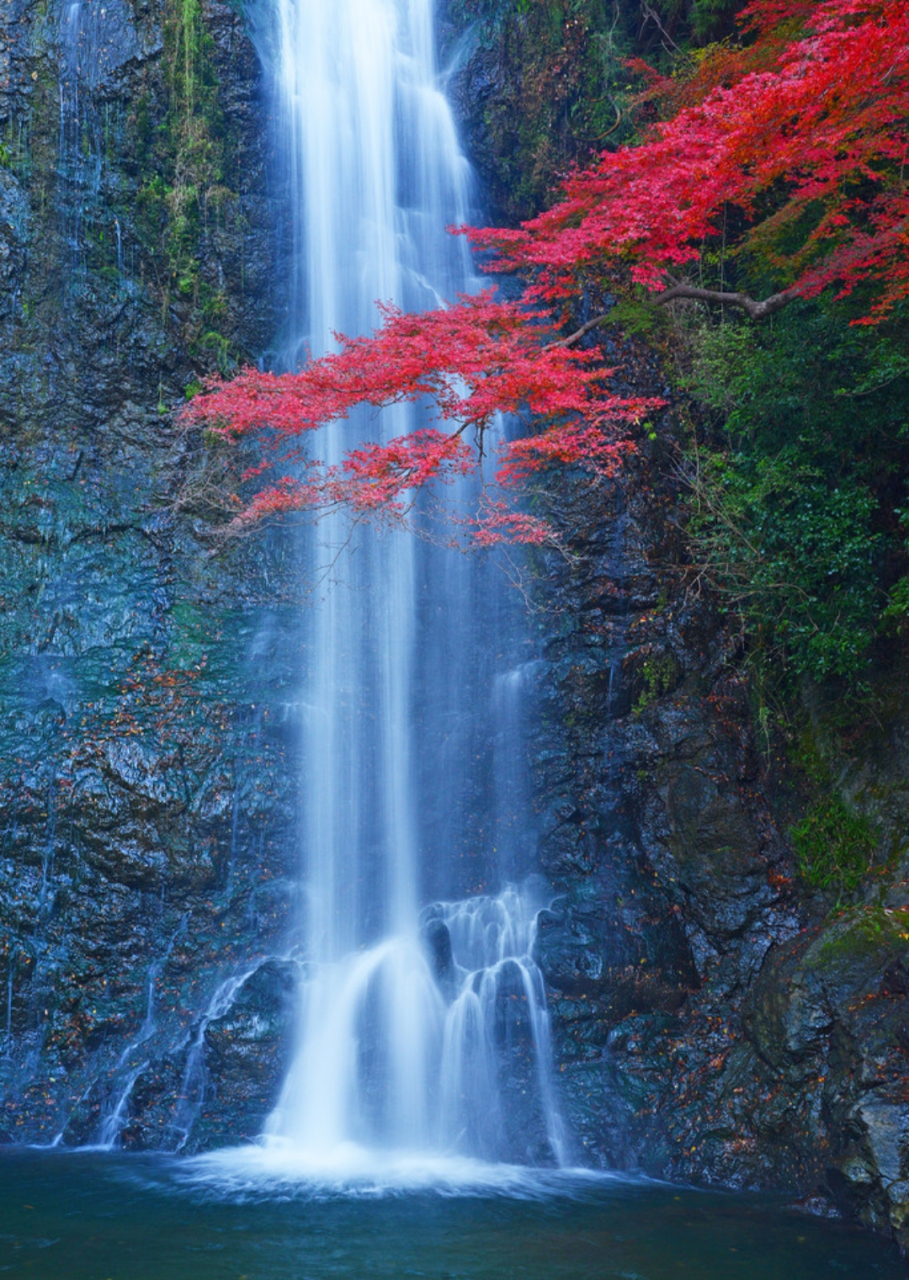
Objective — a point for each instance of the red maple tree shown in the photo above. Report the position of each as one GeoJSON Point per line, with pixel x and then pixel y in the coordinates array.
{"type": "Point", "coordinates": [801, 142]}
{"type": "Point", "coordinates": [469, 362]}
{"type": "Point", "coordinates": [797, 140]}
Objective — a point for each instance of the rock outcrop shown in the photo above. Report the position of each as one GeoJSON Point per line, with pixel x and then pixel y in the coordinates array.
{"type": "Point", "coordinates": [715, 1018]}
{"type": "Point", "coordinates": [146, 745]}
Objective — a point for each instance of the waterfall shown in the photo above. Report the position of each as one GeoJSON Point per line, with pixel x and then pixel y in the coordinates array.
{"type": "Point", "coordinates": [79, 160]}
{"type": "Point", "coordinates": [423, 1028]}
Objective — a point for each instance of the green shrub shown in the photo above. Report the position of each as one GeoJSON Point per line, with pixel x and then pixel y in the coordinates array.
{"type": "Point", "coordinates": [795, 494]}
{"type": "Point", "coordinates": [835, 848]}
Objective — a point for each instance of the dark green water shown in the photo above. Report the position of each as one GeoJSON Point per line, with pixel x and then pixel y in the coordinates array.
{"type": "Point", "coordinates": [90, 1216]}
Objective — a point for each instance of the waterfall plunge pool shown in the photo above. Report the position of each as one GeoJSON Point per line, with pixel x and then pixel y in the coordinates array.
{"type": "Point", "coordinates": [93, 1216]}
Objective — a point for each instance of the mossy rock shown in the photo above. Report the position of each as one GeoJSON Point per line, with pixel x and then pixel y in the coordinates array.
{"type": "Point", "coordinates": [863, 935]}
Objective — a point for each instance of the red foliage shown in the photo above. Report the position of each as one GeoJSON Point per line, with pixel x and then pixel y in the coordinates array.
{"type": "Point", "coordinates": [472, 361]}
{"type": "Point", "coordinates": [802, 133]}
{"type": "Point", "coordinates": [811, 148]}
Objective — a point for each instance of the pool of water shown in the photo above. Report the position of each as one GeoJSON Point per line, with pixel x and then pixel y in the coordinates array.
{"type": "Point", "coordinates": [94, 1216]}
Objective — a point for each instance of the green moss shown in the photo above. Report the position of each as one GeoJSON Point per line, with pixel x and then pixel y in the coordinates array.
{"type": "Point", "coordinates": [220, 348]}
{"type": "Point", "coordinates": [638, 316]}
{"type": "Point", "coordinates": [896, 613]}
{"type": "Point", "coordinates": [193, 159]}
{"type": "Point", "coordinates": [835, 848]}
{"type": "Point", "coordinates": [860, 933]}
{"type": "Point", "coordinates": [660, 673]}
{"type": "Point", "coordinates": [563, 94]}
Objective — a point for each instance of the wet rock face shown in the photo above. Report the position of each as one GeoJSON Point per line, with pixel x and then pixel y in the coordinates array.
{"type": "Point", "coordinates": [246, 1054]}
{"type": "Point", "coordinates": [530, 86]}
{"type": "Point", "coordinates": [709, 1022]}
{"type": "Point", "coordinates": [828, 1019]}
{"type": "Point", "coordinates": [147, 749]}
{"type": "Point", "coordinates": [662, 861]}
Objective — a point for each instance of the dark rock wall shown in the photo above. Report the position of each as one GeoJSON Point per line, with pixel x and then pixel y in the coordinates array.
{"type": "Point", "coordinates": [715, 1018]}
{"type": "Point", "coordinates": [710, 1022]}
{"type": "Point", "coordinates": [537, 86]}
{"type": "Point", "coordinates": [146, 690]}
{"type": "Point", "coordinates": [709, 1026]}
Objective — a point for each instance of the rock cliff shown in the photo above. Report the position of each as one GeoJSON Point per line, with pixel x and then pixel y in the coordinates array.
{"type": "Point", "coordinates": [714, 1019]}
{"type": "Point", "coordinates": [147, 812]}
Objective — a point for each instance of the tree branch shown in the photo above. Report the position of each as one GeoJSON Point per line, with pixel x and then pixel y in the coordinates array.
{"type": "Point", "coordinates": [756, 309]}
{"type": "Point", "coordinates": [753, 308]}
{"type": "Point", "coordinates": [578, 333]}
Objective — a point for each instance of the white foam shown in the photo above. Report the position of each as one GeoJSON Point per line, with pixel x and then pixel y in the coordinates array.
{"type": "Point", "coordinates": [280, 1169]}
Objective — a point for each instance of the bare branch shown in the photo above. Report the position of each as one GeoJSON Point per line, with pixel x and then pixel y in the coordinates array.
{"type": "Point", "coordinates": [579, 333]}
{"type": "Point", "coordinates": [757, 310]}
{"type": "Point", "coordinates": [652, 16]}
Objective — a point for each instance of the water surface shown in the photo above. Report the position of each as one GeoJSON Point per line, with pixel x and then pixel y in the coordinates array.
{"type": "Point", "coordinates": [92, 1216]}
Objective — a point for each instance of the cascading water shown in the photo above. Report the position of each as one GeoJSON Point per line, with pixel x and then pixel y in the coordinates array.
{"type": "Point", "coordinates": [416, 1026]}
{"type": "Point", "coordinates": [79, 155]}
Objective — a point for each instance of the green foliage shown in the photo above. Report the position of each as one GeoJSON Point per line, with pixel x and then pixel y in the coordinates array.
{"type": "Point", "coordinates": [712, 19]}
{"type": "Point", "coordinates": [693, 22]}
{"type": "Point", "coordinates": [659, 673]}
{"type": "Point", "coordinates": [835, 848]}
{"type": "Point", "coordinates": [638, 316]}
{"type": "Point", "coordinates": [564, 96]}
{"type": "Point", "coordinates": [896, 614]}
{"type": "Point", "coordinates": [795, 555]}
{"type": "Point", "coordinates": [793, 499]}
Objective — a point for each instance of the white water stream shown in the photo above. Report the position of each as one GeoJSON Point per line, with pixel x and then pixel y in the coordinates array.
{"type": "Point", "coordinates": [423, 1029]}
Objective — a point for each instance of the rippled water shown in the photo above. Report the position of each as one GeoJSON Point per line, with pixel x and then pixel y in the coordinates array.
{"type": "Point", "coordinates": [92, 1217]}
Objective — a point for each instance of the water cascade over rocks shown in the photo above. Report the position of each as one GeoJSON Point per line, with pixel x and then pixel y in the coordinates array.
{"type": "Point", "coordinates": [423, 1031]}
